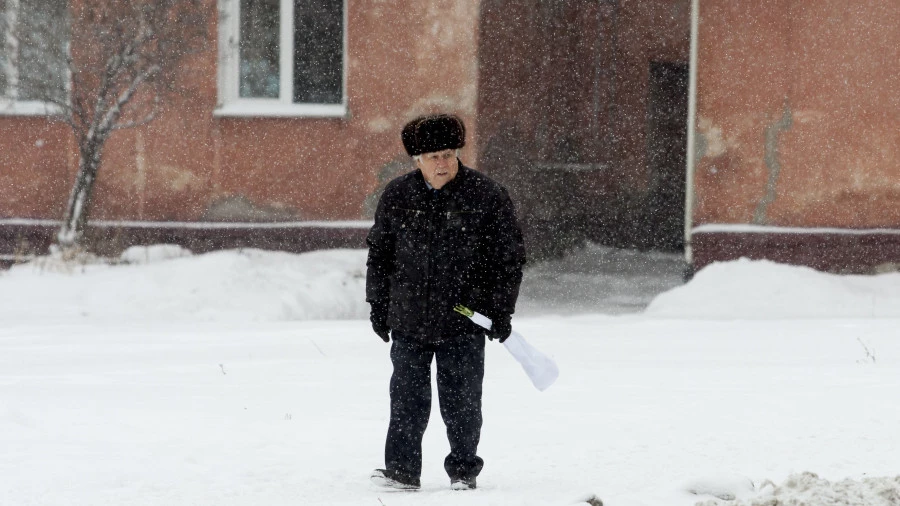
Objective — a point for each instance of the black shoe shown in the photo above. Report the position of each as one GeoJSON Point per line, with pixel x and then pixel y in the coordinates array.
{"type": "Point", "coordinates": [394, 479]}
{"type": "Point", "coordinates": [462, 483]}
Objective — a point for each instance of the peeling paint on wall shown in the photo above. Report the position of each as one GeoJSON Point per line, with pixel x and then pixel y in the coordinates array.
{"type": "Point", "coordinates": [140, 177]}
{"type": "Point", "coordinates": [176, 178]}
{"type": "Point", "coordinates": [238, 208]}
{"type": "Point", "coordinates": [401, 164]}
{"type": "Point", "coordinates": [432, 103]}
{"type": "Point", "coordinates": [808, 116]}
{"type": "Point", "coordinates": [713, 141]}
{"type": "Point", "coordinates": [773, 162]}
{"type": "Point", "coordinates": [379, 125]}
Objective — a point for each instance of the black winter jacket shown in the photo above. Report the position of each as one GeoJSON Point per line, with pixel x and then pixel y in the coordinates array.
{"type": "Point", "coordinates": [432, 249]}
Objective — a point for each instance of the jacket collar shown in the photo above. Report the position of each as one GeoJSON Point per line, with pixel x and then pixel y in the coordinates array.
{"type": "Point", "coordinates": [451, 187]}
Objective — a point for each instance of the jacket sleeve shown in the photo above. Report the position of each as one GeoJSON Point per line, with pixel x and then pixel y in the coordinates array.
{"type": "Point", "coordinates": [508, 252]}
{"type": "Point", "coordinates": [380, 263]}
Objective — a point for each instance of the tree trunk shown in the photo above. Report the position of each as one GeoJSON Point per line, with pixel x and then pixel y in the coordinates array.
{"type": "Point", "coordinates": [72, 230]}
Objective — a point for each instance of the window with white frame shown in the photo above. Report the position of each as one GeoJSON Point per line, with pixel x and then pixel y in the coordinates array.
{"type": "Point", "coordinates": [282, 58]}
{"type": "Point", "coordinates": [33, 45]}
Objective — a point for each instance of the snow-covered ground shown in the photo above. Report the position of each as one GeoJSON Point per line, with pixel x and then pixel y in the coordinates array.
{"type": "Point", "coordinates": [252, 378]}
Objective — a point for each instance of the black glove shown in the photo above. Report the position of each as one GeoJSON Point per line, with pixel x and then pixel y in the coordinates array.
{"type": "Point", "coordinates": [383, 332]}
{"type": "Point", "coordinates": [378, 317]}
{"type": "Point", "coordinates": [501, 327]}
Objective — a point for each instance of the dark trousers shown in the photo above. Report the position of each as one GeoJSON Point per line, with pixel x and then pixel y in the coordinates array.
{"type": "Point", "coordinates": [460, 374]}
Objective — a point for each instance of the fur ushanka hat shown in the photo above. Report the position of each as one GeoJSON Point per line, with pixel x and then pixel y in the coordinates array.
{"type": "Point", "coordinates": [437, 132]}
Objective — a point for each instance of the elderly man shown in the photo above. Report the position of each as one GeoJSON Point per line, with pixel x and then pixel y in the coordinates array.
{"type": "Point", "coordinates": [443, 235]}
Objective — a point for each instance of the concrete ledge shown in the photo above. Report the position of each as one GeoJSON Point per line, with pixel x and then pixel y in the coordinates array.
{"type": "Point", "coordinates": [23, 238]}
{"type": "Point", "coordinates": [859, 251]}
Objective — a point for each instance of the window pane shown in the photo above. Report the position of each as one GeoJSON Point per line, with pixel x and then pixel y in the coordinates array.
{"type": "Point", "coordinates": [259, 48]}
{"type": "Point", "coordinates": [42, 30]}
{"type": "Point", "coordinates": [5, 63]}
{"type": "Point", "coordinates": [318, 51]}
{"type": "Point", "coordinates": [4, 84]}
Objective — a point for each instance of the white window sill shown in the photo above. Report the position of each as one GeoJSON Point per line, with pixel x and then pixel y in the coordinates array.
{"type": "Point", "coordinates": [27, 108]}
{"type": "Point", "coordinates": [274, 109]}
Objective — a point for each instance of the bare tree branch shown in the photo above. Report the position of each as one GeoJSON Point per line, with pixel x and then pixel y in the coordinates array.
{"type": "Point", "coordinates": [102, 66]}
{"type": "Point", "coordinates": [114, 112]}
{"type": "Point", "coordinates": [121, 61]}
{"type": "Point", "coordinates": [150, 116]}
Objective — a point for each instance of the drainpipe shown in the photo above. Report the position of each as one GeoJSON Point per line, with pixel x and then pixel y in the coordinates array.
{"type": "Point", "coordinates": [691, 136]}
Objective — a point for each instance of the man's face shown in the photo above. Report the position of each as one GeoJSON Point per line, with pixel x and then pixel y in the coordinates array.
{"type": "Point", "coordinates": [439, 167]}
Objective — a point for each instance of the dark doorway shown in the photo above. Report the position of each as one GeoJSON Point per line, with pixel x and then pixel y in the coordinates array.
{"type": "Point", "coordinates": [666, 152]}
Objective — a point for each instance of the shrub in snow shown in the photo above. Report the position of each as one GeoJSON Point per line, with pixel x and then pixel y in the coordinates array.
{"type": "Point", "coordinates": [65, 260]}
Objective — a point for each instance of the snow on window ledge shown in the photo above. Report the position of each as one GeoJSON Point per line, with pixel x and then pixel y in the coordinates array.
{"type": "Point", "coordinates": [257, 109]}
{"type": "Point", "coordinates": [27, 108]}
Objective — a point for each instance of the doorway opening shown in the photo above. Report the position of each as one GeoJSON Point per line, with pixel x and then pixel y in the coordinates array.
{"type": "Point", "coordinates": [667, 112]}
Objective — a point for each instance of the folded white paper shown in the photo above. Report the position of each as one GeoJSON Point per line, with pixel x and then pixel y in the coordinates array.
{"type": "Point", "coordinates": [481, 320]}
{"type": "Point", "coordinates": [541, 369]}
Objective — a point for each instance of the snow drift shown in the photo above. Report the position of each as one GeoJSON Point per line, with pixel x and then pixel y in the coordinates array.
{"type": "Point", "coordinates": [750, 289]}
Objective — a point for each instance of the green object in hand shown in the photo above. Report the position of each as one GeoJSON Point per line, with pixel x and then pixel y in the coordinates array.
{"type": "Point", "coordinates": [463, 310]}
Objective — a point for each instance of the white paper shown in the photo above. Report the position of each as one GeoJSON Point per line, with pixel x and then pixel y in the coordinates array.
{"type": "Point", "coordinates": [541, 369]}
{"type": "Point", "coordinates": [482, 320]}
